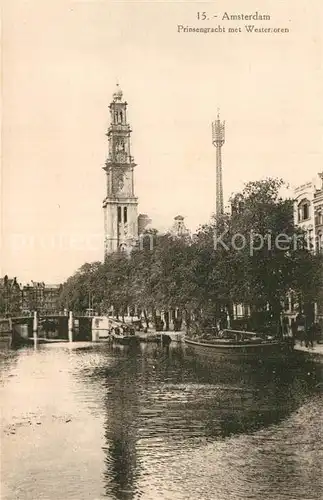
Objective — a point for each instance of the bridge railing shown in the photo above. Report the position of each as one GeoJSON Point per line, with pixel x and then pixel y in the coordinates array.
{"type": "Point", "coordinates": [52, 313]}
{"type": "Point", "coordinates": [47, 314]}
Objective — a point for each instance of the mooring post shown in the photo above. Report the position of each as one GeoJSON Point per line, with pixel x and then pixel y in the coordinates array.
{"type": "Point", "coordinates": [35, 326]}
{"type": "Point", "coordinates": [95, 331]}
{"type": "Point", "coordinates": [70, 326]}
{"type": "Point", "coordinates": [228, 320]}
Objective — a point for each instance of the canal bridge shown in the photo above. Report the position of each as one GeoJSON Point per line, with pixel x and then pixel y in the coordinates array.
{"type": "Point", "coordinates": [54, 325]}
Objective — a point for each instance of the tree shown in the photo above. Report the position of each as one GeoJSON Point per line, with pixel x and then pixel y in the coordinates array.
{"type": "Point", "coordinates": [273, 254]}
{"type": "Point", "coordinates": [77, 290]}
{"type": "Point", "coordinates": [254, 256]}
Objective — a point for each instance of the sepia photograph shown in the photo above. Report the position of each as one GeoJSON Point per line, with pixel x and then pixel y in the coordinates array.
{"type": "Point", "coordinates": [161, 257]}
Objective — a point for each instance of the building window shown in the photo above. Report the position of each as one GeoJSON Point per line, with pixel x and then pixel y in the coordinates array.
{"type": "Point", "coordinates": [125, 214]}
{"type": "Point", "coordinates": [319, 243]}
{"type": "Point", "coordinates": [319, 218]}
{"type": "Point", "coordinates": [303, 210]}
{"type": "Point", "coordinates": [119, 215]}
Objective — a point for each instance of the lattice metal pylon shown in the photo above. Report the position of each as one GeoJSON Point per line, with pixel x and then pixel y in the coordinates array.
{"type": "Point", "coordinates": [218, 139]}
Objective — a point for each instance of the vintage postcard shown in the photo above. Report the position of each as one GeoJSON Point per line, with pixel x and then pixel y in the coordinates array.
{"type": "Point", "coordinates": [161, 284]}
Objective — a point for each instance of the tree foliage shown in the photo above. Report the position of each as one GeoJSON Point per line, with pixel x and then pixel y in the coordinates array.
{"type": "Point", "coordinates": [231, 260]}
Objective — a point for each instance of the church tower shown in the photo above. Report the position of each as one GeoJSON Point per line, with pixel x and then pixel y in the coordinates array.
{"type": "Point", "coordinates": [120, 204]}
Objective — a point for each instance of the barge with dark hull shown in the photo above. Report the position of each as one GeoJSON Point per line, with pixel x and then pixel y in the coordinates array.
{"type": "Point", "coordinates": [235, 344]}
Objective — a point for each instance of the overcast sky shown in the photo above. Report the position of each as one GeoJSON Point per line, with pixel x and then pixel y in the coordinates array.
{"type": "Point", "coordinates": [61, 62]}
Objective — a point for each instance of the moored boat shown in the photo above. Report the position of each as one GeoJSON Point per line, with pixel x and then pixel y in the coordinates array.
{"type": "Point", "coordinates": [240, 345]}
{"type": "Point", "coordinates": [125, 339]}
{"type": "Point", "coordinates": [169, 337]}
{"type": "Point", "coordinates": [124, 334]}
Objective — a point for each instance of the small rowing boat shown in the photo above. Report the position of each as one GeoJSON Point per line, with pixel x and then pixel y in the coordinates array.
{"type": "Point", "coordinates": [120, 338]}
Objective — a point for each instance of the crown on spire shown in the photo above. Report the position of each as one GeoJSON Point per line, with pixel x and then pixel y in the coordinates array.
{"type": "Point", "coordinates": [117, 95]}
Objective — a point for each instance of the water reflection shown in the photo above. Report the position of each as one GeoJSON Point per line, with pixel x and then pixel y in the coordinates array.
{"type": "Point", "coordinates": [8, 359]}
{"type": "Point", "coordinates": [122, 408]}
{"type": "Point", "coordinates": [159, 424]}
{"type": "Point", "coordinates": [161, 402]}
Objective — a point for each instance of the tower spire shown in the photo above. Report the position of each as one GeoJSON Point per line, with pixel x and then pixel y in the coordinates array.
{"type": "Point", "coordinates": [120, 203]}
{"type": "Point", "coordinates": [218, 140]}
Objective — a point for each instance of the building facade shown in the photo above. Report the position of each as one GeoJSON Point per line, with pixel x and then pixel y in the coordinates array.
{"type": "Point", "coordinates": [41, 297]}
{"type": "Point", "coordinates": [308, 214]}
{"type": "Point", "coordinates": [304, 210]}
{"type": "Point", "coordinates": [318, 214]}
{"type": "Point", "coordinates": [318, 224]}
{"type": "Point", "coordinates": [178, 228]}
{"type": "Point", "coordinates": [308, 211]}
{"type": "Point", "coordinates": [143, 223]}
{"type": "Point", "coordinates": [10, 296]}
{"type": "Point", "coordinates": [120, 205]}
{"type": "Point", "coordinates": [16, 298]}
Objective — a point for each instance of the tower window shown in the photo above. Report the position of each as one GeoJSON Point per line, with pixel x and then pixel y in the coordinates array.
{"type": "Point", "coordinates": [125, 214]}
{"type": "Point", "coordinates": [119, 214]}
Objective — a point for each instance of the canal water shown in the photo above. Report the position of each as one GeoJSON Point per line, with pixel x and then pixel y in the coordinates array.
{"type": "Point", "coordinates": [96, 422]}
